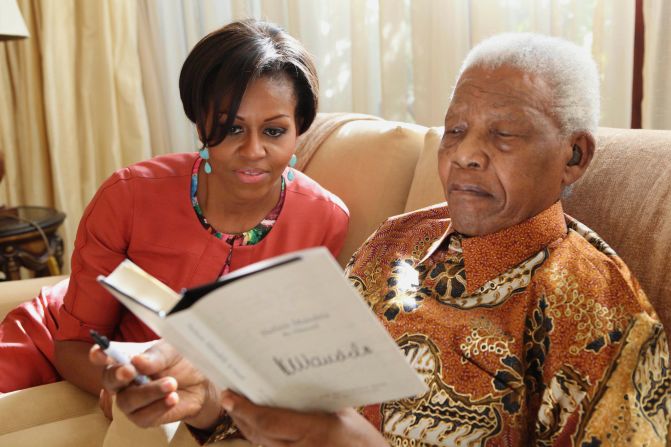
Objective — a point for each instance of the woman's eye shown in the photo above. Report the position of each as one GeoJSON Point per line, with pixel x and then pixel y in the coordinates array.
{"type": "Point", "coordinates": [234, 130]}
{"type": "Point", "coordinates": [274, 131]}
{"type": "Point", "coordinates": [452, 131]}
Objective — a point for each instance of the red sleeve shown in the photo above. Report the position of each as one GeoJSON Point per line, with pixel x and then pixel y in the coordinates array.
{"type": "Point", "coordinates": [101, 244]}
{"type": "Point", "coordinates": [338, 224]}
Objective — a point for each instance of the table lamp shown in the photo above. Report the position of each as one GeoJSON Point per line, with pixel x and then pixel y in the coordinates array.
{"type": "Point", "coordinates": [12, 25]}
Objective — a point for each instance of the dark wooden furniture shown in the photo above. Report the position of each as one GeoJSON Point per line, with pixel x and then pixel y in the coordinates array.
{"type": "Point", "coordinates": [28, 239]}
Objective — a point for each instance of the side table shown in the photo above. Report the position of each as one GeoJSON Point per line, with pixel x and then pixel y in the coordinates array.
{"type": "Point", "coordinates": [28, 239]}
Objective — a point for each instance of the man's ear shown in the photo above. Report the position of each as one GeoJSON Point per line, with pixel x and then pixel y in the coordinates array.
{"type": "Point", "coordinates": [578, 156]}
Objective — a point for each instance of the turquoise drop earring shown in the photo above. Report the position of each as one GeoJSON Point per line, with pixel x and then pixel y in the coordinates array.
{"type": "Point", "coordinates": [292, 163]}
{"type": "Point", "coordinates": [205, 155]}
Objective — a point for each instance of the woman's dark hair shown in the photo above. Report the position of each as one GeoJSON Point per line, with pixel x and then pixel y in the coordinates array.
{"type": "Point", "coordinates": [224, 62]}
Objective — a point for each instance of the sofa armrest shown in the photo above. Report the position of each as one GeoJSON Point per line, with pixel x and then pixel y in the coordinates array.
{"type": "Point", "coordinates": [13, 293]}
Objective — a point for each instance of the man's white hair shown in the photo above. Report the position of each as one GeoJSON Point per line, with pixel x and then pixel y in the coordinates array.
{"type": "Point", "coordinates": [569, 70]}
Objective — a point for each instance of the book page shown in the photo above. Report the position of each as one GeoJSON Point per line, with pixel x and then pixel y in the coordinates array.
{"type": "Point", "coordinates": [191, 349]}
{"type": "Point", "coordinates": [145, 296]}
{"type": "Point", "coordinates": [299, 336]}
{"type": "Point", "coordinates": [150, 300]}
{"type": "Point", "coordinates": [135, 282]}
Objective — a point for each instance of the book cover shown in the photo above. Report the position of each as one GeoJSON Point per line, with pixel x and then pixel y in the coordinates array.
{"type": "Point", "coordinates": [290, 332]}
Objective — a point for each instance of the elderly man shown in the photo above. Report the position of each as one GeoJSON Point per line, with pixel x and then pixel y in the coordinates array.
{"type": "Point", "coordinates": [528, 329]}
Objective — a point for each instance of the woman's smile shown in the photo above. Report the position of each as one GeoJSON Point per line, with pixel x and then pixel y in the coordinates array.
{"type": "Point", "coordinates": [251, 175]}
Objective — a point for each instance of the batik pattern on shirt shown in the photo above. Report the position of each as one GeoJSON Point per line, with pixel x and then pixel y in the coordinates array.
{"type": "Point", "coordinates": [535, 335]}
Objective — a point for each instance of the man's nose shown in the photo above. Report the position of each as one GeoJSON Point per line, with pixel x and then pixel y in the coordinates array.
{"type": "Point", "coordinates": [470, 154]}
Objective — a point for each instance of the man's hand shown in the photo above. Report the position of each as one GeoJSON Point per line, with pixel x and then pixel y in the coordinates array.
{"type": "Point", "coordinates": [273, 427]}
{"type": "Point", "coordinates": [177, 391]}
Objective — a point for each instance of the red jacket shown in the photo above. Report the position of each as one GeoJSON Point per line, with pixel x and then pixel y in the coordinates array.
{"type": "Point", "coordinates": [144, 213]}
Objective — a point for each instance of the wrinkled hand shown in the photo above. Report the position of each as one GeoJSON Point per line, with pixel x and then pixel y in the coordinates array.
{"type": "Point", "coordinates": [176, 391]}
{"type": "Point", "coordinates": [275, 427]}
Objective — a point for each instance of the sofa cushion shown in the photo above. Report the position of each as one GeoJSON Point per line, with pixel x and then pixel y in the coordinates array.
{"type": "Point", "coordinates": [426, 188]}
{"type": "Point", "coordinates": [13, 293]}
{"type": "Point", "coordinates": [625, 197]}
{"type": "Point", "coordinates": [369, 164]}
{"type": "Point", "coordinates": [81, 431]}
{"type": "Point", "coordinates": [44, 405]}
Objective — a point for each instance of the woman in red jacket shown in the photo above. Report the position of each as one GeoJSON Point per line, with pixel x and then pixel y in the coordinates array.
{"type": "Point", "coordinates": [187, 218]}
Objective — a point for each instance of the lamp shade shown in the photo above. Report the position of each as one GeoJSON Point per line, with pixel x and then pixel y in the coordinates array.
{"type": "Point", "coordinates": [12, 25]}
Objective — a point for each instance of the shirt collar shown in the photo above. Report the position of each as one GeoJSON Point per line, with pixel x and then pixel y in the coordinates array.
{"type": "Point", "coordinates": [486, 257]}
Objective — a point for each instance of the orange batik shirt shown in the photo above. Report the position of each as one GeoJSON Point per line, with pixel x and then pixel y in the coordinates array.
{"type": "Point", "coordinates": [534, 335]}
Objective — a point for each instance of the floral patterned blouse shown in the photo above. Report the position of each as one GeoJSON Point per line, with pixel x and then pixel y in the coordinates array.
{"type": "Point", "coordinates": [249, 237]}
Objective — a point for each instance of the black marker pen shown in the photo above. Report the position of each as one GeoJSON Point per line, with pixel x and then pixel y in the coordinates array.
{"type": "Point", "coordinates": [118, 356]}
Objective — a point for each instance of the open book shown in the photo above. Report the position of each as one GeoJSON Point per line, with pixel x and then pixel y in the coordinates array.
{"type": "Point", "coordinates": [289, 332]}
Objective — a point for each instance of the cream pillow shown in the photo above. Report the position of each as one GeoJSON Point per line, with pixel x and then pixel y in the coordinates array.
{"type": "Point", "coordinates": [57, 414]}
{"type": "Point", "coordinates": [426, 188]}
{"type": "Point", "coordinates": [625, 196]}
{"type": "Point", "coordinates": [369, 164]}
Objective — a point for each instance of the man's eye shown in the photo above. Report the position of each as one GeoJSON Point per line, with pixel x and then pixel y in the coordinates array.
{"type": "Point", "coordinates": [234, 130]}
{"type": "Point", "coordinates": [503, 134]}
{"type": "Point", "coordinates": [275, 131]}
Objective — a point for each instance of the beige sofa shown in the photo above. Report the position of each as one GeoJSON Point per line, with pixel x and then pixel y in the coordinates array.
{"type": "Point", "coordinates": [381, 168]}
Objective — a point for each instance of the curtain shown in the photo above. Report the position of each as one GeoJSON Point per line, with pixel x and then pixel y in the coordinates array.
{"type": "Point", "coordinates": [656, 106]}
{"type": "Point", "coordinates": [23, 138]}
{"type": "Point", "coordinates": [397, 59]}
{"type": "Point", "coordinates": [95, 87]}
{"type": "Point", "coordinates": [72, 104]}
